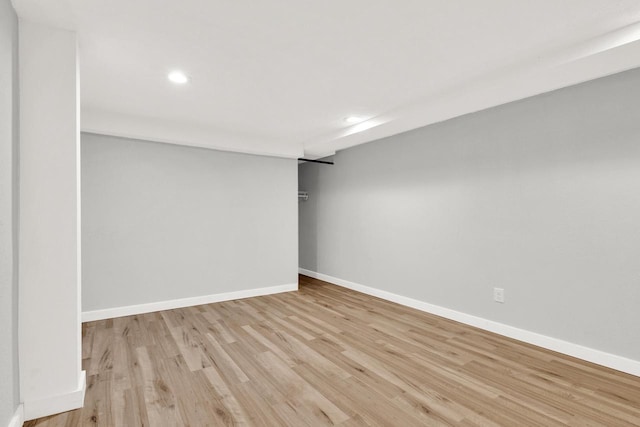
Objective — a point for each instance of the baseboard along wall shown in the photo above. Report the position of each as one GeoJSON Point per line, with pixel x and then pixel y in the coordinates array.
{"type": "Point", "coordinates": [18, 417]}
{"type": "Point", "coordinates": [130, 310]}
{"type": "Point", "coordinates": [570, 349]}
{"type": "Point", "coordinates": [56, 404]}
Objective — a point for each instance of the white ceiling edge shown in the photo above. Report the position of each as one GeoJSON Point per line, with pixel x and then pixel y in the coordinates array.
{"type": "Point", "coordinates": [193, 135]}
{"type": "Point", "coordinates": [53, 13]}
{"type": "Point", "coordinates": [611, 53]}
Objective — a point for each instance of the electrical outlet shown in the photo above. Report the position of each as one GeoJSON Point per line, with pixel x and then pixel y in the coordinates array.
{"type": "Point", "coordinates": [498, 295]}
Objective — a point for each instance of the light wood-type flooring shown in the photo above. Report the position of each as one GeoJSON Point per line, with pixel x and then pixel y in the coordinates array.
{"type": "Point", "coordinates": [329, 356]}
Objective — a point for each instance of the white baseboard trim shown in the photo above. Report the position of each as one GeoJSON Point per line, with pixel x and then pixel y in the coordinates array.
{"type": "Point", "coordinates": [18, 417]}
{"type": "Point", "coordinates": [56, 404]}
{"type": "Point", "coordinates": [109, 313]}
{"type": "Point", "coordinates": [310, 273]}
{"type": "Point", "coordinates": [598, 357]}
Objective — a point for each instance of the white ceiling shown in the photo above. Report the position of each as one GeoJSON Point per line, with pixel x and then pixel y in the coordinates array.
{"type": "Point", "coordinates": [278, 77]}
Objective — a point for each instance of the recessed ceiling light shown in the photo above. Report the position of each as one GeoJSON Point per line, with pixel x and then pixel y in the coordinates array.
{"type": "Point", "coordinates": [352, 120]}
{"type": "Point", "coordinates": [178, 77]}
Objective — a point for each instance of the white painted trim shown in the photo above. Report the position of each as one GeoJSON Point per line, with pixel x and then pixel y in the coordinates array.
{"type": "Point", "coordinates": [56, 404]}
{"type": "Point", "coordinates": [599, 357]}
{"type": "Point", "coordinates": [18, 417]}
{"type": "Point", "coordinates": [108, 313]}
{"type": "Point", "coordinates": [310, 273]}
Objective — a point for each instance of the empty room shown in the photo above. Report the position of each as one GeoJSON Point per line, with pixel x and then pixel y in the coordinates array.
{"type": "Point", "coordinates": [294, 213]}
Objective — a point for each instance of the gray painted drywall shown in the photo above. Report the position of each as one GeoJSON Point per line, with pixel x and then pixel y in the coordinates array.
{"type": "Point", "coordinates": [9, 131]}
{"type": "Point", "coordinates": [540, 197]}
{"type": "Point", "coordinates": [163, 222]}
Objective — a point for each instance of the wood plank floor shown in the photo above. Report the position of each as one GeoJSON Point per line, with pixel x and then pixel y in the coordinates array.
{"type": "Point", "coordinates": [329, 356]}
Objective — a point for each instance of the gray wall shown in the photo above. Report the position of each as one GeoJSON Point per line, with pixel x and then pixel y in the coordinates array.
{"type": "Point", "coordinates": [162, 222]}
{"type": "Point", "coordinates": [9, 129]}
{"type": "Point", "coordinates": [540, 197]}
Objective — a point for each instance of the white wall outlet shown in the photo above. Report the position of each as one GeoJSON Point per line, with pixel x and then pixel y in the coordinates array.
{"type": "Point", "coordinates": [498, 295]}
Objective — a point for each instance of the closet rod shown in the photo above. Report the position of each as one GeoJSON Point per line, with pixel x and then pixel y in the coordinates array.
{"type": "Point", "coordinates": [316, 161]}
